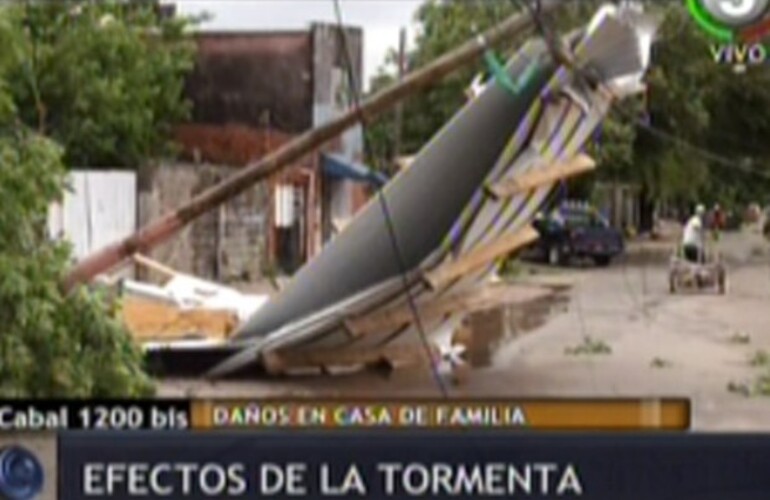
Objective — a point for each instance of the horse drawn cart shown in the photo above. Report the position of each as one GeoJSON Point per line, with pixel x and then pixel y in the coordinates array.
{"type": "Point", "coordinates": [707, 273]}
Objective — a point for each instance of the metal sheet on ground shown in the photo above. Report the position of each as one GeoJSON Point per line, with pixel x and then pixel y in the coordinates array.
{"type": "Point", "coordinates": [466, 219]}
{"type": "Point", "coordinates": [363, 254]}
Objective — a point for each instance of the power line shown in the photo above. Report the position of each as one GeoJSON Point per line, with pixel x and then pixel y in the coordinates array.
{"type": "Point", "coordinates": [561, 54]}
{"type": "Point", "coordinates": [403, 269]}
{"type": "Point", "coordinates": [711, 156]}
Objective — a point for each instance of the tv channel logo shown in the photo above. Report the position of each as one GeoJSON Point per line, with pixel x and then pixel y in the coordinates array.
{"type": "Point", "coordinates": [736, 13]}
{"type": "Point", "coordinates": [738, 27]}
{"type": "Point", "coordinates": [21, 474]}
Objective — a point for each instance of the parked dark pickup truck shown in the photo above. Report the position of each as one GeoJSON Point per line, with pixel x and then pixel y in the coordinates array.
{"type": "Point", "coordinates": [576, 231]}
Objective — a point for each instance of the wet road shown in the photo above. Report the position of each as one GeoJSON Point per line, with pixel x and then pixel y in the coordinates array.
{"type": "Point", "coordinates": [619, 334]}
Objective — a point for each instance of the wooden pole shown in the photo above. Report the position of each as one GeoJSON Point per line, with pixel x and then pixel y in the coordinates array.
{"type": "Point", "coordinates": [153, 265]}
{"type": "Point", "coordinates": [480, 256]}
{"type": "Point", "coordinates": [166, 226]}
{"type": "Point", "coordinates": [400, 106]}
{"type": "Point", "coordinates": [539, 177]}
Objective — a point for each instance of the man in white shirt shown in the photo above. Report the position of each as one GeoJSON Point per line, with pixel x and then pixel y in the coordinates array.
{"type": "Point", "coordinates": [693, 239]}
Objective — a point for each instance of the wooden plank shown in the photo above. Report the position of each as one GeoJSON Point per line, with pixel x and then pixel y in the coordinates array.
{"type": "Point", "coordinates": [393, 318]}
{"type": "Point", "coordinates": [540, 176]}
{"type": "Point", "coordinates": [279, 363]}
{"type": "Point", "coordinates": [466, 302]}
{"type": "Point", "coordinates": [153, 265]}
{"type": "Point", "coordinates": [151, 320]}
{"type": "Point", "coordinates": [479, 257]}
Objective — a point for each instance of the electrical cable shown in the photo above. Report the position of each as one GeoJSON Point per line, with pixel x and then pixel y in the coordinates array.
{"type": "Point", "coordinates": [714, 158]}
{"type": "Point", "coordinates": [403, 268]}
{"type": "Point", "coordinates": [535, 10]}
{"type": "Point", "coordinates": [638, 302]}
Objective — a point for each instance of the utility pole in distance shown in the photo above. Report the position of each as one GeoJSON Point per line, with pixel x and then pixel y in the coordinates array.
{"type": "Point", "coordinates": [166, 226]}
{"type": "Point", "coordinates": [400, 106]}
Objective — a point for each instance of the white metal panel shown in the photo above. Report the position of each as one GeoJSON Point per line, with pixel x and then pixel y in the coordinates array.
{"type": "Point", "coordinates": [99, 208]}
{"type": "Point", "coordinates": [285, 199]}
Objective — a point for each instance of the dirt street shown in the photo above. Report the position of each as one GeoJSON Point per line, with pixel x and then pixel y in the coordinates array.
{"type": "Point", "coordinates": [620, 334]}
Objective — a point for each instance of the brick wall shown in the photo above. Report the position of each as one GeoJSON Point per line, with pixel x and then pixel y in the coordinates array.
{"type": "Point", "coordinates": [232, 144]}
{"type": "Point", "coordinates": [240, 77]}
{"type": "Point", "coordinates": [226, 244]}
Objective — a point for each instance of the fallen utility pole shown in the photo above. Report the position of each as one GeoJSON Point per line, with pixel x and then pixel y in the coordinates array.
{"type": "Point", "coordinates": [166, 226]}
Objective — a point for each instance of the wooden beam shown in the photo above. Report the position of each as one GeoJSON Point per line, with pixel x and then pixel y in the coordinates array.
{"type": "Point", "coordinates": [479, 257]}
{"type": "Point", "coordinates": [163, 228]}
{"type": "Point", "coordinates": [153, 265]}
{"type": "Point", "coordinates": [279, 363]}
{"type": "Point", "coordinates": [149, 320]}
{"type": "Point", "coordinates": [390, 319]}
{"type": "Point", "coordinates": [474, 300]}
{"type": "Point", "coordinates": [541, 176]}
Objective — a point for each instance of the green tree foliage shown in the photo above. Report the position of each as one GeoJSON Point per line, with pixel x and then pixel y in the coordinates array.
{"type": "Point", "coordinates": [103, 79]}
{"type": "Point", "coordinates": [690, 97]}
{"type": "Point", "coordinates": [720, 151]}
{"type": "Point", "coordinates": [739, 132]}
{"type": "Point", "coordinates": [52, 344]}
{"type": "Point", "coordinates": [443, 25]}
{"type": "Point", "coordinates": [677, 84]}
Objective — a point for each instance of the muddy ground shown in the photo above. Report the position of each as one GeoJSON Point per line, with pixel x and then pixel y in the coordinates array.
{"type": "Point", "coordinates": [699, 345]}
{"type": "Point", "coordinates": [703, 346]}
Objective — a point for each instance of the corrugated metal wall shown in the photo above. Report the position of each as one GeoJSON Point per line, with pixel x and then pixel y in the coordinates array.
{"type": "Point", "coordinates": [99, 209]}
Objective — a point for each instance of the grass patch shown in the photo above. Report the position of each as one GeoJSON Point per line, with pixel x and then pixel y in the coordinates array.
{"type": "Point", "coordinates": [762, 385]}
{"type": "Point", "coordinates": [740, 338]}
{"type": "Point", "coordinates": [589, 346]}
{"type": "Point", "coordinates": [759, 387]}
{"type": "Point", "coordinates": [661, 363]}
{"type": "Point", "coordinates": [760, 359]}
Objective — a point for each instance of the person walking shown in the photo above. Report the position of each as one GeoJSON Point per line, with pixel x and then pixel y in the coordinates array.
{"type": "Point", "coordinates": [693, 240]}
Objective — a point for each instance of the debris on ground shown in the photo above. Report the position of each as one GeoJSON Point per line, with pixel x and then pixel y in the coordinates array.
{"type": "Point", "coordinates": [183, 308]}
{"type": "Point", "coordinates": [740, 338]}
{"type": "Point", "coordinates": [661, 363]}
{"type": "Point", "coordinates": [528, 136]}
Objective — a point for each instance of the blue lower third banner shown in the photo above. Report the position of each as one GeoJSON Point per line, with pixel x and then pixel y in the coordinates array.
{"type": "Point", "coordinates": [381, 465]}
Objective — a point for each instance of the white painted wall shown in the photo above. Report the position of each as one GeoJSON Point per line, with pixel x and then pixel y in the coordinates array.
{"type": "Point", "coordinates": [100, 209]}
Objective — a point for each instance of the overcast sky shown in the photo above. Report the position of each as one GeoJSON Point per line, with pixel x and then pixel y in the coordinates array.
{"type": "Point", "coordinates": [380, 19]}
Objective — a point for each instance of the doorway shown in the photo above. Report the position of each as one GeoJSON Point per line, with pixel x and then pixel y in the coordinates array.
{"type": "Point", "coordinates": [290, 228]}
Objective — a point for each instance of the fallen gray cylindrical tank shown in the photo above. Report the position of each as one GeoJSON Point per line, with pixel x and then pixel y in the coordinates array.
{"type": "Point", "coordinates": [423, 203]}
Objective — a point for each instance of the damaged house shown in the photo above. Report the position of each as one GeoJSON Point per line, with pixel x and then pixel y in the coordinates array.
{"type": "Point", "coordinates": [251, 93]}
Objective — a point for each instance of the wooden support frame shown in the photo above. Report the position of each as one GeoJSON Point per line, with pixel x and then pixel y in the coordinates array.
{"type": "Point", "coordinates": [468, 302]}
{"type": "Point", "coordinates": [541, 176]}
{"type": "Point", "coordinates": [395, 355]}
{"type": "Point", "coordinates": [393, 318]}
{"type": "Point", "coordinates": [479, 257]}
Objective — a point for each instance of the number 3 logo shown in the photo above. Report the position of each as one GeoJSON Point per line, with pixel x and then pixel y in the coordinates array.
{"type": "Point", "coordinates": [736, 13]}
{"type": "Point", "coordinates": [737, 8]}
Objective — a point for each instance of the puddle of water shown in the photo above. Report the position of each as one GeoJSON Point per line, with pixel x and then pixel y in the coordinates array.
{"type": "Point", "coordinates": [496, 327]}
